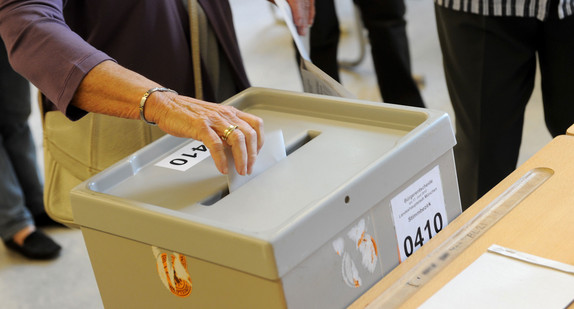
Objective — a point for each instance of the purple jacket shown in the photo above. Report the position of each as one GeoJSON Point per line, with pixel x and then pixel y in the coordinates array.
{"type": "Point", "coordinates": [55, 43]}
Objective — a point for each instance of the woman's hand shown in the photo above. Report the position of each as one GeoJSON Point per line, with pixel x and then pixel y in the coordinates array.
{"type": "Point", "coordinates": [188, 117]}
{"type": "Point", "coordinates": [111, 89]}
{"type": "Point", "coordinates": [303, 12]}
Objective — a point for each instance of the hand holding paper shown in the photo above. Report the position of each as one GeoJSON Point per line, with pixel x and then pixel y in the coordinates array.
{"type": "Point", "coordinates": [314, 80]}
{"type": "Point", "coordinates": [272, 152]}
{"type": "Point", "coordinates": [303, 13]}
{"type": "Point", "coordinates": [288, 16]}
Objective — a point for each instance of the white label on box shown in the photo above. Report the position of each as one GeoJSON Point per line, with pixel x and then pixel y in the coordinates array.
{"type": "Point", "coordinates": [185, 157]}
{"type": "Point", "coordinates": [419, 213]}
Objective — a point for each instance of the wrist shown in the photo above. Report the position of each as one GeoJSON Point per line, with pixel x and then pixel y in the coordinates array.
{"type": "Point", "coordinates": [145, 100]}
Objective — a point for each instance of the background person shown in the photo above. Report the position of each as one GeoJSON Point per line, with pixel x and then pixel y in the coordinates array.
{"type": "Point", "coordinates": [386, 25]}
{"type": "Point", "coordinates": [489, 56]}
{"type": "Point", "coordinates": [21, 192]}
{"type": "Point", "coordinates": [106, 56]}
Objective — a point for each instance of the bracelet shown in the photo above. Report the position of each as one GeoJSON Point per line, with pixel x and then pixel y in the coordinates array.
{"type": "Point", "coordinates": [144, 100]}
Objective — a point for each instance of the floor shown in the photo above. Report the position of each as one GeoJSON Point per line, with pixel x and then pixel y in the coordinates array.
{"type": "Point", "coordinates": [68, 282]}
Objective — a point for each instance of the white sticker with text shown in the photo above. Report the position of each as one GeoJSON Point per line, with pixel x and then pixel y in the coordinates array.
{"type": "Point", "coordinates": [419, 213]}
{"type": "Point", "coordinates": [185, 157]}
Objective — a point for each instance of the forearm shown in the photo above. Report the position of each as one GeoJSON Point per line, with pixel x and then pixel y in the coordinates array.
{"type": "Point", "coordinates": [113, 90]}
{"type": "Point", "coordinates": [44, 50]}
{"type": "Point", "coordinates": [79, 78]}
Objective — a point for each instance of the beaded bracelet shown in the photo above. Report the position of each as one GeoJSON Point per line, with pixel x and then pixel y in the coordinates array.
{"type": "Point", "coordinates": [144, 100]}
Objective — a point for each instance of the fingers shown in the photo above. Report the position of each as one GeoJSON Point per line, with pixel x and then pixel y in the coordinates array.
{"type": "Point", "coordinates": [217, 149]}
{"type": "Point", "coordinates": [256, 124]}
{"type": "Point", "coordinates": [246, 139]}
{"type": "Point", "coordinates": [240, 151]}
{"type": "Point", "coordinates": [217, 126]}
{"type": "Point", "coordinates": [311, 16]}
{"type": "Point", "coordinates": [303, 14]}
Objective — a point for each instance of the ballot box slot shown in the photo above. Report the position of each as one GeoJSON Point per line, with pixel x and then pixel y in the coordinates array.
{"type": "Point", "coordinates": [300, 140]}
{"type": "Point", "coordinates": [292, 146]}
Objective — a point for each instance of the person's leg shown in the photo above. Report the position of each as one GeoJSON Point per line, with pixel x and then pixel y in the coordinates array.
{"type": "Point", "coordinates": [556, 55]}
{"type": "Point", "coordinates": [14, 216]}
{"type": "Point", "coordinates": [18, 141]}
{"type": "Point", "coordinates": [20, 148]}
{"type": "Point", "coordinates": [384, 19]}
{"type": "Point", "coordinates": [490, 64]}
{"type": "Point", "coordinates": [324, 38]}
{"type": "Point", "coordinates": [17, 228]}
{"type": "Point", "coordinates": [20, 184]}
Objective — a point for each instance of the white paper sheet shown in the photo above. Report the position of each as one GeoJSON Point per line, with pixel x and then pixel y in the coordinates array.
{"type": "Point", "coordinates": [314, 79]}
{"type": "Point", "coordinates": [273, 151]}
{"type": "Point", "coordinates": [501, 281]}
{"type": "Point", "coordinates": [319, 82]}
{"type": "Point", "coordinates": [288, 17]}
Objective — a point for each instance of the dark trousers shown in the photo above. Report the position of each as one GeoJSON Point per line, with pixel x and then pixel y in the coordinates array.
{"type": "Point", "coordinates": [21, 192]}
{"type": "Point", "coordinates": [384, 20]}
{"type": "Point", "coordinates": [490, 67]}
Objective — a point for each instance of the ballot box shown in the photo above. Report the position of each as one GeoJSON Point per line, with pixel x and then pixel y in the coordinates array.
{"type": "Point", "coordinates": [314, 230]}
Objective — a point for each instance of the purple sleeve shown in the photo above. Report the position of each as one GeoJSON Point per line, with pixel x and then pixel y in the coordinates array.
{"type": "Point", "coordinates": [43, 49]}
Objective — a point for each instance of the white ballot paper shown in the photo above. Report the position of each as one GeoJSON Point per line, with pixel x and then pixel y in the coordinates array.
{"type": "Point", "coordinates": [505, 278]}
{"type": "Point", "coordinates": [314, 79]}
{"type": "Point", "coordinates": [273, 151]}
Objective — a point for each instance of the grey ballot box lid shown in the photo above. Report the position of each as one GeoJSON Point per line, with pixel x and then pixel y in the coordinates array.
{"type": "Point", "coordinates": [337, 151]}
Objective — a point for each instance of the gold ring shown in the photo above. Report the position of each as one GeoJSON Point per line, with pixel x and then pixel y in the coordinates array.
{"type": "Point", "coordinates": [228, 131]}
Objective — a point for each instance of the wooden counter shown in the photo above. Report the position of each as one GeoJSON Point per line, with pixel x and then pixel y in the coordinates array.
{"type": "Point", "coordinates": [542, 225]}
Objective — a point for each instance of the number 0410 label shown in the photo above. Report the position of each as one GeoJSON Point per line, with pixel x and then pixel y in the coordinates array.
{"type": "Point", "coordinates": [419, 213]}
{"type": "Point", "coordinates": [185, 157]}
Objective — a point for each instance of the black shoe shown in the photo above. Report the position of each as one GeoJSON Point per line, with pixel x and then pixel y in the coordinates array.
{"type": "Point", "coordinates": [43, 220]}
{"type": "Point", "coordinates": [37, 246]}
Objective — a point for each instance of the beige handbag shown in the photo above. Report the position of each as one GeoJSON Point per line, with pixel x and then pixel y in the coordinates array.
{"type": "Point", "coordinates": [76, 150]}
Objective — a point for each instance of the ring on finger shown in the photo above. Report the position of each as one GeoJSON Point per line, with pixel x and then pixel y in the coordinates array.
{"type": "Point", "coordinates": [228, 132]}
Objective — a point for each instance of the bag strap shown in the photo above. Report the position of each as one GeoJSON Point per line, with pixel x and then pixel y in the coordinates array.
{"type": "Point", "coordinates": [194, 33]}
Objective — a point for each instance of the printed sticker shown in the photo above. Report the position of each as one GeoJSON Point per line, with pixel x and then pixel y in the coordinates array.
{"type": "Point", "coordinates": [363, 243]}
{"type": "Point", "coordinates": [350, 272]}
{"type": "Point", "coordinates": [172, 271]}
{"type": "Point", "coordinates": [185, 157]}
